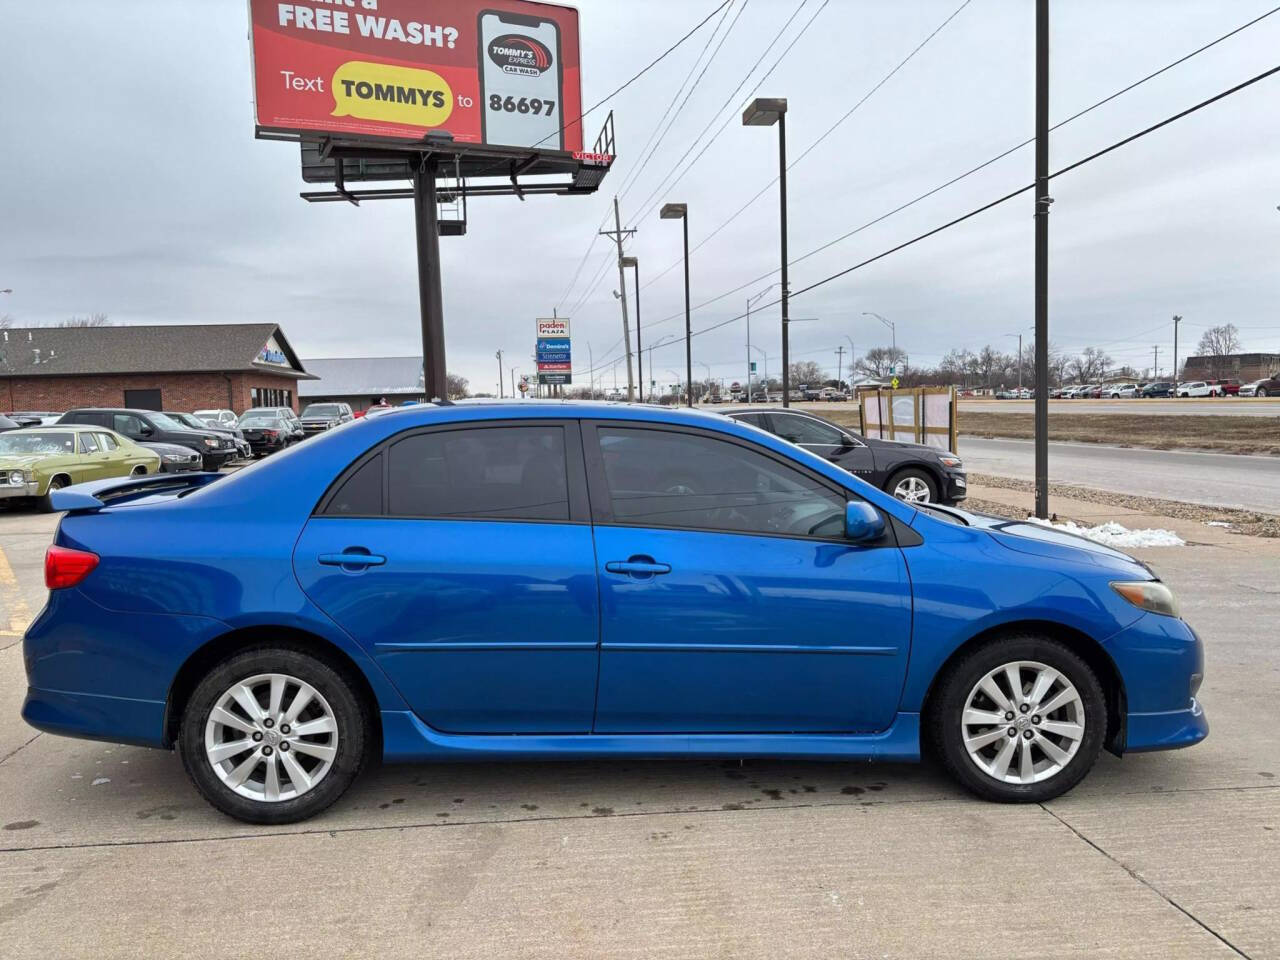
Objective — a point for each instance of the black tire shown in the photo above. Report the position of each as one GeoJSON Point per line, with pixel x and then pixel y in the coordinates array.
{"type": "Point", "coordinates": [948, 705]}
{"type": "Point", "coordinates": [1261, 392]}
{"type": "Point", "coordinates": [57, 483]}
{"type": "Point", "coordinates": [139, 471]}
{"type": "Point", "coordinates": [919, 473]}
{"type": "Point", "coordinates": [352, 722]}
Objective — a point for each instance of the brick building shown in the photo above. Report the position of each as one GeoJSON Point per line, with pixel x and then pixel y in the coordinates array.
{"type": "Point", "coordinates": [1245, 367]}
{"type": "Point", "coordinates": [171, 367]}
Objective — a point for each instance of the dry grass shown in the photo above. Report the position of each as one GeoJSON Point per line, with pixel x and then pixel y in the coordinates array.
{"type": "Point", "coordinates": [1194, 432]}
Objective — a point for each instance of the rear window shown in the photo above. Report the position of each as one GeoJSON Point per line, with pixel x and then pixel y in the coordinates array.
{"type": "Point", "coordinates": [507, 473]}
{"type": "Point", "coordinates": [360, 494]}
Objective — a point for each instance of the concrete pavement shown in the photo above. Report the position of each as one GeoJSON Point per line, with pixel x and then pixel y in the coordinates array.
{"type": "Point", "coordinates": [106, 851]}
{"type": "Point", "coordinates": [1215, 479]}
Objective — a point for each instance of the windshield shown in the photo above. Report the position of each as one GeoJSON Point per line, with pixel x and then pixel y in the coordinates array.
{"type": "Point", "coordinates": [22, 442]}
{"type": "Point", "coordinates": [259, 420]}
{"type": "Point", "coordinates": [166, 423]}
{"type": "Point", "coordinates": [186, 419]}
{"type": "Point", "coordinates": [322, 410]}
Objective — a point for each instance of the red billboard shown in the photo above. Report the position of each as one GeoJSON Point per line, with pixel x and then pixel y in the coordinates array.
{"type": "Point", "coordinates": [502, 72]}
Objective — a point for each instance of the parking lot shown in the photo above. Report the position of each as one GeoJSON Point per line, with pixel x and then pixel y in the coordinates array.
{"type": "Point", "coordinates": [1159, 855]}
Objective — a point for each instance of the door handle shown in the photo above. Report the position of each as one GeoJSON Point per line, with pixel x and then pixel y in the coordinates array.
{"type": "Point", "coordinates": [352, 558]}
{"type": "Point", "coordinates": [638, 567]}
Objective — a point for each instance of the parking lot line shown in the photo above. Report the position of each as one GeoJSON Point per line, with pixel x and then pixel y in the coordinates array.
{"type": "Point", "coordinates": [18, 614]}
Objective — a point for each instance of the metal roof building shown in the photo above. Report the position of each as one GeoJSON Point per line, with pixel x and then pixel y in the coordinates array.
{"type": "Point", "coordinates": [361, 380]}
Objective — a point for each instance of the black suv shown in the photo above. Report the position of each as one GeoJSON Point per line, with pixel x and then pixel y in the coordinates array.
{"type": "Point", "coordinates": [148, 426]}
{"type": "Point", "coordinates": [909, 471]}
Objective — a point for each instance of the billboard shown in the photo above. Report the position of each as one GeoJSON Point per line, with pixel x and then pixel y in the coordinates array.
{"type": "Point", "coordinates": [554, 352]}
{"type": "Point", "coordinates": [500, 72]}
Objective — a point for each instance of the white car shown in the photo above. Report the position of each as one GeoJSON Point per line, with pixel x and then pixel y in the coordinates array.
{"type": "Point", "coordinates": [1195, 388]}
{"type": "Point", "coordinates": [217, 418]}
{"type": "Point", "coordinates": [1117, 390]}
{"type": "Point", "coordinates": [1250, 389]}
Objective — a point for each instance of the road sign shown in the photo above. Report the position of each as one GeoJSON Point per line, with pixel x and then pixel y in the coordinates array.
{"type": "Point", "coordinates": [753, 366]}
{"type": "Point", "coordinates": [894, 383]}
{"type": "Point", "coordinates": [554, 378]}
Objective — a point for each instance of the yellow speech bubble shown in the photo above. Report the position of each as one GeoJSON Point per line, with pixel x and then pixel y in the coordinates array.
{"type": "Point", "coordinates": [377, 91]}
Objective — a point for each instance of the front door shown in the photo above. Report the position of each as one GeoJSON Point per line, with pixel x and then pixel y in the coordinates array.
{"type": "Point", "coordinates": [730, 601]}
{"type": "Point", "coordinates": [462, 559]}
{"type": "Point", "coordinates": [825, 440]}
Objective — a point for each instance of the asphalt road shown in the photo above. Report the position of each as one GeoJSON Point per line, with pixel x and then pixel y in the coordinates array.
{"type": "Point", "coordinates": [106, 851]}
{"type": "Point", "coordinates": [1215, 479]}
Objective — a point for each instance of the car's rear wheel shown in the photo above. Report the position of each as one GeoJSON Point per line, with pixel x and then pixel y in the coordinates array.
{"type": "Point", "coordinates": [914, 486]}
{"type": "Point", "coordinates": [273, 735]}
{"type": "Point", "coordinates": [140, 470]}
{"type": "Point", "coordinates": [1260, 392]}
{"type": "Point", "coordinates": [1019, 720]}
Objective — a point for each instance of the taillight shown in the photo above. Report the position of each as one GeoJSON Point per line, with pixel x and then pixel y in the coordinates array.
{"type": "Point", "coordinates": [65, 567]}
{"type": "Point", "coordinates": [271, 433]}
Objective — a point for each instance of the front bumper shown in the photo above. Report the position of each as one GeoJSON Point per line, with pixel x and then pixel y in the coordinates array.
{"type": "Point", "coordinates": [1161, 663]}
{"type": "Point", "coordinates": [957, 487]}
{"type": "Point", "coordinates": [8, 490]}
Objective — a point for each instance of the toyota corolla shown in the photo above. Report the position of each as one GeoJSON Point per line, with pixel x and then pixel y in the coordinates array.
{"type": "Point", "coordinates": [510, 581]}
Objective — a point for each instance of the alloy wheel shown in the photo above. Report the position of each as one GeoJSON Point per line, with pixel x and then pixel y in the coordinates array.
{"type": "Point", "coordinates": [1023, 722]}
{"type": "Point", "coordinates": [912, 490]}
{"type": "Point", "coordinates": [271, 737]}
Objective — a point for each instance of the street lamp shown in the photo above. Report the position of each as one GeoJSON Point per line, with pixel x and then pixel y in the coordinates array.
{"type": "Point", "coordinates": [1019, 336]}
{"type": "Point", "coordinates": [766, 374]}
{"type": "Point", "coordinates": [635, 265]}
{"type": "Point", "coordinates": [499, 356]}
{"type": "Point", "coordinates": [765, 112]}
{"type": "Point", "coordinates": [680, 211]}
{"type": "Point", "coordinates": [750, 303]}
{"type": "Point", "coordinates": [892, 329]}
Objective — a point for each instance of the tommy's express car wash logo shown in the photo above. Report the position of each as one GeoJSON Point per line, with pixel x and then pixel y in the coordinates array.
{"type": "Point", "coordinates": [520, 55]}
{"type": "Point", "coordinates": [379, 91]}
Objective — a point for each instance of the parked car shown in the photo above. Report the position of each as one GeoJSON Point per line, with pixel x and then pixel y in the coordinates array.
{"type": "Point", "coordinates": [286, 414]}
{"type": "Point", "coordinates": [235, 433]}
{"type": "Point", "coordinates": [34, 418]}
{"type": "Point", "coordinates": [1194, 388]}
{"type": "Point", "coordinates": [267, 432]}
{"type": "Point", "coordinates": [7, 424]}
{"type": "Point", "coordinates": [175, 458]}
{"type": "Point", "coordinates": [318, 417]}
{"type": "Point", "coordinates": [833, 395]}
{"type": "Point", "coordinates": [1269, 387]}
{"type": "Point", "coordinates": [714, 590]}
{"type": "Point", "coordinates": [36, 461]}
{"type": "Point", "coordinates": [143, 426]}
{"type": "Point", "coordinates": [1158, 388]}
{"type": "Point", "coordinates": [1118, 390]}
{"type": "Point", "coordinates": [908, 471]}
{"type": "Point", "coordinates": [218, 418]}
{"type": "Point", "coordinates": [1229, 387]}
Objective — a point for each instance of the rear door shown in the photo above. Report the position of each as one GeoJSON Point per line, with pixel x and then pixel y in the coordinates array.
{"type": "Point", "coordinates": [825, 440]}
{"type": "Point", "coordinates": [730, 601]}
{"type": "Point", "coordinates": [93, 462]}
{"type": "Point", "coordinates": [461, 557]}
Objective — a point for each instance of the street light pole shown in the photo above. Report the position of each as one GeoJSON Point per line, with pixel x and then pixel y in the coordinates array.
{"type": "Point", "coordinates": [750, 303]}
{"type": "Point", "coordinates": [1042, 201]}
{"type": "Point", "coordinates": [680, 211]}
{"type": "Point", "coordinates": [765, 112]}
{"type": "Point", "coordinates": [499, 356]}
{"type": "Point", "coordinates": [1019, 336]}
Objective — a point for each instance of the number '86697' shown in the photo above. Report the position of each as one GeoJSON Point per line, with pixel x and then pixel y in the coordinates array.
{"type": "Point", "coordinates": [534, 105]}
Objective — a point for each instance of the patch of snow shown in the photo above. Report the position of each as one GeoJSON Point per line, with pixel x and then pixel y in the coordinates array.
{"type": "Point", "coordinates": [1219, 523]}
{"type": "Point", "coordinates": [1112, 534]}
{"type": "Point", "coordinates": [101, 780]}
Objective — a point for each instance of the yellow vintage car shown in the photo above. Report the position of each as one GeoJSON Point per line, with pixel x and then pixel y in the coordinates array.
{"type": "Point", "coordinates": [37, 460]}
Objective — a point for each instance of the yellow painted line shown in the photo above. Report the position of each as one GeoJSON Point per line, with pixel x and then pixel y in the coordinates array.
{"type": "Point", "coordinates": [19, 614]}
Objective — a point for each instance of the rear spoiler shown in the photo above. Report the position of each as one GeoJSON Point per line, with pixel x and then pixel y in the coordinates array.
{"type": "Point", "coordinates": [96, 494]}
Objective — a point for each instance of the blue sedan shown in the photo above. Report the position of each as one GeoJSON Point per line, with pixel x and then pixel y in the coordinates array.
{"type": "Point", "coordinates": [556, 580]}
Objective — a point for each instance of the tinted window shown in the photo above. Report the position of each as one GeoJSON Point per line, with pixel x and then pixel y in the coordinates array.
{"type": "Point", "coordinates": [805, 430]}
{"type": "Point", "coordinates": [88, 444]}
{"type": "Point", "coordinates": [361, 493]}
{"type": "Point", "coordinates": [499, 472]}
{"type": "Point", "coordinates": [667, 479]}
{"type": "Point", "coordinates": [753, 419]}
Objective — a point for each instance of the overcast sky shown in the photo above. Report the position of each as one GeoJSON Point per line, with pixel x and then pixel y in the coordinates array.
{"type": "Point", "coordinates": [133, 186]}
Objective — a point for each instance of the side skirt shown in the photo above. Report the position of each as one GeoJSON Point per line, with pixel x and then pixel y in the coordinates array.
{"type": "Point", "coordinates": [406, 739]}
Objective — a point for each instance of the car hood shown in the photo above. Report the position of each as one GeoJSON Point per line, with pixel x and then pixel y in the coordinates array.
{"type": "Point", "coordinates": [1036, 540]}
{"type": "Point", "coordinates": [875, 443]}
{"type": "Point", "coordinates": [163, 448]}
{"type": "Point", "coordinates": [17, 461]}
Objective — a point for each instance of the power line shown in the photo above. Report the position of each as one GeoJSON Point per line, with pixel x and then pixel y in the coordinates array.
{"type": "Point", "coordinates": [672, 115]}
{"type": "Point", "coordinates": [968, 173]}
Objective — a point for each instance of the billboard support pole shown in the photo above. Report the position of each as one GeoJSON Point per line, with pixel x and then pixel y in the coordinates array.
{"type": "Point", "coordinates": [430, 293]}
{"type": "Point", "coordinates": [1042, 201]}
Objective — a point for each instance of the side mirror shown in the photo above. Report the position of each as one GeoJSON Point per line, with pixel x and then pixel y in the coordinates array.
{"type": "Point", "coordinates": [862, 522]}
{"type": "Point", "coordinates": [146, 430]}
{"type": "Point", "coordinates": [846, 442]}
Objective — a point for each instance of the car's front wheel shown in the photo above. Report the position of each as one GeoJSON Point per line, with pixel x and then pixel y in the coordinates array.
{"type": "Point", "coordinates": [1019, 720]}
{"type": "Point", "coordinates": [914, 486]}
{"type": "Point", "coordinates": [273, 735]}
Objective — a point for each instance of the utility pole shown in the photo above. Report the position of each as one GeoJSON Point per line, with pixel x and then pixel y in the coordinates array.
{"type": "Point", "coordinates": [513, 383]}
{"type": "Point", "coordinates": [1042, 201]}
{"type": "Point", "coordinates": [839, 362]}
{"type": "Point", "coordinates": [617, 233]}
{"type": "Point", "coordinates": [1176, 320]}
{"type": "Point", "coordinates": [499, 356]}
{"type": "Point", "coordinates": [591, 374]}
{"type": "Point", "coordinates": [1155, 362]}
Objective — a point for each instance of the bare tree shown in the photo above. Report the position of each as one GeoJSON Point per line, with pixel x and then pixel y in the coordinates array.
{"type": "Point", "coordinates": [806, 372]}
{"type": "Point", "coordinates": [1090, 366]}
{"type": "Point", "coordinates": [91, 320]}
{"type": "Point", "coordinates": [6, 321]}
{"type": "Point", "coordinates": [455, 386]}
{"type": "Point", "coordinates": [1217, 344]}
{"type": "Point", "coordinates": [877, 361]}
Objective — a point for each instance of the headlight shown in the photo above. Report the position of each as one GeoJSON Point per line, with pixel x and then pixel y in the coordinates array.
{"type": "Point", "coordinates": [17, 476]}
{"type": "Point", "coordinates": [210, 442]}
{"type": "Point", "coordinates": [1149, 595]}
{"type": "Point", "coordinates": [955, 463]}
{"type": "Point", "coordinates": [174, 457]}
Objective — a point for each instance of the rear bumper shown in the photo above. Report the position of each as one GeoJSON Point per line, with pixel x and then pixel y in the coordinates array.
{"type": "Point", "coordinates": [95, 717]}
